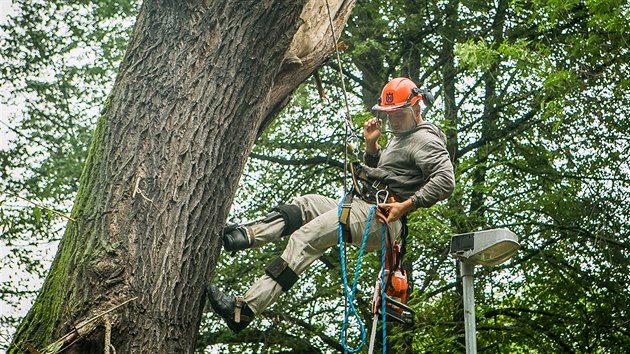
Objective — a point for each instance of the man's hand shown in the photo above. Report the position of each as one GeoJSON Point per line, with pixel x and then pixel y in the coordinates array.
{"type": "Point", "coordinates": [396, 210]}
{"type": "Point", "coordinates": [371, 133]}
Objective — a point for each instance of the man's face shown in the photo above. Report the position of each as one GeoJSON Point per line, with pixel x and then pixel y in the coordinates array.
{"type": "Point", "coordinates": [401, 120]}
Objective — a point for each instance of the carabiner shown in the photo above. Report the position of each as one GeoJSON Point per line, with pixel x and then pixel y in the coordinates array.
{"type": "Point", "coordinates": [379, 192]}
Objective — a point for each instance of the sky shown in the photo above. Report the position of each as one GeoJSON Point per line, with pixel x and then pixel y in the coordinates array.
{"type": "Point", "coordinates": [5, 136]}
{"type": "Point", "coordinates": [5, 111]}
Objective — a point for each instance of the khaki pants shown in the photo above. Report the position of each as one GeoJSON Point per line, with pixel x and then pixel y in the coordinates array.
{"type": "Point", "coordinates": [318, 233]}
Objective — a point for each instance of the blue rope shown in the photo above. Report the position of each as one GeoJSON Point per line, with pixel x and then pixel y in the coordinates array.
{"type": "Point", "coordinates": [350, 296]}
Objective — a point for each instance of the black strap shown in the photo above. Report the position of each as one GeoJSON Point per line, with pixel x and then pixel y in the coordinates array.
{"type": "Point", "coordinates": [292, 216]}
{"type": "Point", "coordinates": [279, 271]}
{"type": "Point", "coordinates": [401, 254]}
{"type": "Point", "coordinates": [403, 239]}
{"type": "Point", "coordinates": [390, 260]}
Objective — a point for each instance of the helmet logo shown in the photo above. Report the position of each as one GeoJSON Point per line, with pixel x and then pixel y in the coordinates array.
{"type": "Point", "coordinates": [389, 97]}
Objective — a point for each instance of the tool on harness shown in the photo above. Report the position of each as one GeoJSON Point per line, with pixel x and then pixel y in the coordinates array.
{"type": "Point", "coordinates": [391, 290]}
{"type": "Point", "coordinates": [396, 289]}
{"type": "Point", "coordinates": [396, 285]}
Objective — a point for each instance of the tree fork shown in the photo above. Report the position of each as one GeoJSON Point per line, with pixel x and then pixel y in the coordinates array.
{"type": "Point", "coordinates": [198, 82]}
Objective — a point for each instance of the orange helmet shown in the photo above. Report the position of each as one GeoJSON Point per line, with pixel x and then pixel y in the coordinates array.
{"type": "Point", "coordinates": [400, 93]}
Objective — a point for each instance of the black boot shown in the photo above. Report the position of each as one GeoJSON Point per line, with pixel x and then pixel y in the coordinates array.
{"type": "Point", "coordinates": [235, 238]}
{"type": "Point", "coordinates": [236, 317]}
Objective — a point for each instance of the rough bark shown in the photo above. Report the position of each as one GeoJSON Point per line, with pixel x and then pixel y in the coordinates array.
{"type": "Point", "coordinates": [199, 81]}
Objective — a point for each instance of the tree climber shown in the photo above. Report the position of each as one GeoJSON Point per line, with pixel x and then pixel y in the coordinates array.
{"type": "Point", "coordinates": [414, 167]}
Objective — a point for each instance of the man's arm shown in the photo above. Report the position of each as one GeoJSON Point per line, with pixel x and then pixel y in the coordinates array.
{"type": "Point", "coordinates": [434, 162]}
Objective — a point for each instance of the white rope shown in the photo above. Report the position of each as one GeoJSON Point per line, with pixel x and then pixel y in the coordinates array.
{"type": "Point", "coordinates": [348, 125]}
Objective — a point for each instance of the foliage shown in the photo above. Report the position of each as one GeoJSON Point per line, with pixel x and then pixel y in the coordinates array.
{"type": "Point", "coordinates": [532, 95]}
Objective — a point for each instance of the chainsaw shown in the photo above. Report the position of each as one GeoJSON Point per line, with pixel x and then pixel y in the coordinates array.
{"type": "Point", "coordinates": [395, 297]}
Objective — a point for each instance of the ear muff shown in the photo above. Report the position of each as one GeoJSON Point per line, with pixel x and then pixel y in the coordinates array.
{"type": "Point", "coordinates": [427, 97]}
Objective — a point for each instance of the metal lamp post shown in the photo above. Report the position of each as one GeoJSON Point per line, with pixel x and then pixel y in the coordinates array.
{"type": "Point", "coordinates": [489, 248]}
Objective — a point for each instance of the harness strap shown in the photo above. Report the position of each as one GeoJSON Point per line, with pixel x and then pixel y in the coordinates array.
{"type": "Point", "coordinates": [366, 187]}
{"type": "Point", "coordinates": [344, 217]}
{"type": "Point", "coordinates": [279, 271]}
{"type": "Point", "coordinates": [403, 243]}
{"type": "Point", "coordinates": [292, 216]}
{"type": "Point", "coordinates": [238, 310]}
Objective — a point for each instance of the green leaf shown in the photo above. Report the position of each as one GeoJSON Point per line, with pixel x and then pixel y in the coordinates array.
{"type": "Point", "coordinates": [37, 214]}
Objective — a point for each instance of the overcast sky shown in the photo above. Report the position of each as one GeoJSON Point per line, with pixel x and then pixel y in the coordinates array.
{"type": "Point", "coordinates": [5, 9]}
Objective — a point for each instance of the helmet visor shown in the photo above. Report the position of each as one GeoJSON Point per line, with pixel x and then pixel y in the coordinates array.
{"type": "Point", "coordinates": [399, 120]}
{"type": "Point", "coordinates": [379, 108]}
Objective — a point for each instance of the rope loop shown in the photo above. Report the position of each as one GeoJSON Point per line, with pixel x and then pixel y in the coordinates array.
{"type": "Point", "coordinates": [350, 292]}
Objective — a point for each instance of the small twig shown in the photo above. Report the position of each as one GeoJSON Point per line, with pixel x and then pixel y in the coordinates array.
{"type": "Point", "coordinates": [108, 335]}
{"type": "Point", "coordinates": [32, 349]}
{"type": "Point", "coordinates": [108, 311]}
{"type": "Point", "coordinates": [135, 187]}
{"type": "Point", "coordinates": [138, 190]}
{"type": "Point", "coordinates": [41, 206]}
{"type": "Point", "coordinates": [68, 336]}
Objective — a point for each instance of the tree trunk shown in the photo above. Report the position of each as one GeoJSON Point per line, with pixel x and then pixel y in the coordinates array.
{"type": "Point", "coordinates": [489, 128]}
{"type": "Point", "coordinates": [198, 82]}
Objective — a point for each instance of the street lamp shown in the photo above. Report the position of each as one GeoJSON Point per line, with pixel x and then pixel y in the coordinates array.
{"type": "Point", "coordinates": [489, 248]}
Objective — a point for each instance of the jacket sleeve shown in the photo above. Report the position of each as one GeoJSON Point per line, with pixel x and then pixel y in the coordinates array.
{"type": "Point", "coordinates": [372, 160]}
{"type": "Point", "coordinates": [433, 160]}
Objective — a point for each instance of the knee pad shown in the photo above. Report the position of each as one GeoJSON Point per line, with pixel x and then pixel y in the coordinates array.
{"type": "Point", "coordinates": [279, 271]}
{"type": "Point", "coordinates": [292, 216]}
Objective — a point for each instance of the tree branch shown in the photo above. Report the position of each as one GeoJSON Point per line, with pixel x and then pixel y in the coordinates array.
{"type": "Point", "coordinates": [299, 162]}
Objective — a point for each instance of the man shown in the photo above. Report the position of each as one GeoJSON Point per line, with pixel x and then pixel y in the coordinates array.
{"type": "Point", "coordinates": [414, 168]}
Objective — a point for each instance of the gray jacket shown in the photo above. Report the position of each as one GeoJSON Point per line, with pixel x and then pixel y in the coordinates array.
{"type": "Point", "coordinates": [415, 166]}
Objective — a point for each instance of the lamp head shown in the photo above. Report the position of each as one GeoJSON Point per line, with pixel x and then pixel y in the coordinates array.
{"type": "Point", "coordinates": [487, 247]}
